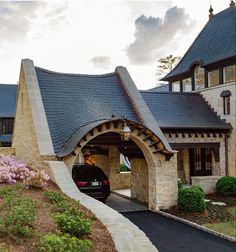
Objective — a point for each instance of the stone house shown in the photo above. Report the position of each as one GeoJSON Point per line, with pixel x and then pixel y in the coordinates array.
{"type": "Point", "coordinates": [208, 70]}
{"type": "Point", "coordinates": [62, 119]}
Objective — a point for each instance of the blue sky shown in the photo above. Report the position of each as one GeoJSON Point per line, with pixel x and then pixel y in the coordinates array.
{"type": "Point", "coordinates": [96, 36]}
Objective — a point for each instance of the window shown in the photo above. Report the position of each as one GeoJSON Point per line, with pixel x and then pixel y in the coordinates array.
{"type": "Point", "coordinates": [200, 161]}
{"type": "Point", "coordinates": [226, 101]}
{"type": "Point", "coordinates": [199, 78]}
{"type": "Point", "coordinates": [229, 74]}
{"type": "Point", "coordinates": [187, 85]}
{"type": "Point", "coordinates": [214, 78]}
{"type": "Point", "coordinates": [6, 126]}
{"type": "Point", "coordinates": [176, 86]}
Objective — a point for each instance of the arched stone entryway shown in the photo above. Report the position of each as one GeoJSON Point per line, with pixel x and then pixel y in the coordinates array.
{"type": "Point", "coordinates": [156, 171]}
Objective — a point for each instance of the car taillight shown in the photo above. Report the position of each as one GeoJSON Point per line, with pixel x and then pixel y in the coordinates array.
{"type": "Point", "coordinates": [105, 182]}
{"type": "Point", "coordinates": [81, 183]}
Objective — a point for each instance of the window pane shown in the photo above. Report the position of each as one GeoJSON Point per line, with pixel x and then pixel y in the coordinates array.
{"type": "Point", "coordinates": [213, 78]}
{"type": "Point", "coordinates": [199, 78]}
{"type": "Point", "coordinates": [230, 74]}
{"type": "Point", "coordinates": [187, 85]}
{"type": "Point", "coordinates": [176, 86]}
{"type": "Point", "coordinates": [226, 105]}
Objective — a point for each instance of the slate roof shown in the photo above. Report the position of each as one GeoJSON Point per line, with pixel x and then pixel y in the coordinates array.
{"type": "Point", "coordinates": [216, 41]}
{"type": "Point", "coordinates": [161, 89]}
{"type": "Point", "coordinates": [72, 101]}
{"type": "Point", "coordinates": [7, 100]}
{"type": "Point", "coordinates": [182, 110]}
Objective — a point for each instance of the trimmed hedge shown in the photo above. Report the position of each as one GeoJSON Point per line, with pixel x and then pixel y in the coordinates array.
{"type": "Point", "coordinates": [191, 200]}
{"type": "Point", "coordinates": [226, 186]}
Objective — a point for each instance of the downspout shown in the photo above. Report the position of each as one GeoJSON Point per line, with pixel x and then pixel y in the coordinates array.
{"type": "Point", "coordinates": [226, 153]}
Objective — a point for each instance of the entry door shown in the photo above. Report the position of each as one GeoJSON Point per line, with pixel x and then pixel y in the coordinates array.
{"type": "Point", "coordinates": [200, 162]}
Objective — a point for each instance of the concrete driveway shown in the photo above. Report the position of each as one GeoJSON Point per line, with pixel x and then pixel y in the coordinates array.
{"type": "Point", "coordinates": [167, 234]}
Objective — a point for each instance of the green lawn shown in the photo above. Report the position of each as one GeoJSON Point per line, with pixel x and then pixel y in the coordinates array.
{"type": "Point", "coordinates": [227, 228]}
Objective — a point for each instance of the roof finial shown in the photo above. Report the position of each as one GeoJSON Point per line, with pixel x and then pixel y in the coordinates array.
{"type": "Point", "coordinates": [211, 15]}
{"type": "Point", "coordinates": [232, 3]}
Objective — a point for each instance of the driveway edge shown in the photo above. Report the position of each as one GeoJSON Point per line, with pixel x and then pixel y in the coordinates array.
{"type": "Point", "coordinates": [193, 224]}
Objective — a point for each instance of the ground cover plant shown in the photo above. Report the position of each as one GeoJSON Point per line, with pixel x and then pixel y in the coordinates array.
{"type": "Point", "coordinates": [219, 215]}
{"type": "Point", "coordinates": [35, 217]}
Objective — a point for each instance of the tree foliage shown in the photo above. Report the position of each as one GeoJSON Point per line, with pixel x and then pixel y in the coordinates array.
{"type": "Point", "coordinates": [166, 64]}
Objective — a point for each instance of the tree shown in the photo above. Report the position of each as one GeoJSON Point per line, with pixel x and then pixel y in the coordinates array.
{"type": "Point", "coordinates": [166, 64]}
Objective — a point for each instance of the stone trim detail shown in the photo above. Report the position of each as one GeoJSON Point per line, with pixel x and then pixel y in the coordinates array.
{"type": "Point", "coordinates": [195, 225]}
{"type": "Point", "coordinates": [140, 106]}
{"type": "Point", "coordinates": [132, 239]}
{"type": "Point", "coordinates": [38, 113]}
{"type": "Point", "coordinates": [7, 150]}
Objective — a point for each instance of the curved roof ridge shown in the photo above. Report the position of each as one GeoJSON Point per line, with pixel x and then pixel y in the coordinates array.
{"type": "Point", "coordinates": [75, 74]}
{"type": "Point", "coordinates": [175, 71]}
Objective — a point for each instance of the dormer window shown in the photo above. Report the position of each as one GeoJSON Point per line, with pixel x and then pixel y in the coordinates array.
{"type": "Point", "coordinates": [187, 85]}
{"type": "Point", "coordinates": [199, 78]}
{"type": "Point", "coordinates": [229, 74]}
{"type": "Point", "coordinates": [214, 78]}
{"type": "Point", "coordinates": [176, 86]}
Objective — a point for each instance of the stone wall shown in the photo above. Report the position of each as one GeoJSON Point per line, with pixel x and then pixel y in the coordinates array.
{"type": "Point", "coordinates": [207, 183]}
{"type": "Point", "coordinates": [218, 167]}
{"type": "Point", "coordinates": [7, 150]}
{"type": "Point", "coordinates": [139, 180]}
{"type": "Point", "coordinates": [24, 137]}
{"type": "Point", "coordinates": [162, 173]}
{"type": "Point", "coordinates": [212, 96]}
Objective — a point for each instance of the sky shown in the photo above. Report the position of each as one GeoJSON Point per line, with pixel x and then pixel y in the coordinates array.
{"type": "Point", "coordinates": [93, 37]}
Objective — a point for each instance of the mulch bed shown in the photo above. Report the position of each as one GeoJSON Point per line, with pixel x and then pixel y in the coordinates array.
{"type": "Point", "coordinates": [212, 214]}
{"type": "Point", "coordinates": [100, 237]}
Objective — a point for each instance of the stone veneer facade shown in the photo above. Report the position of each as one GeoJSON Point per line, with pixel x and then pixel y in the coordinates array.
{"type": "Point", "coordinates": [218, 168]}
{"type": "Point", "coordinates": [212, 96]}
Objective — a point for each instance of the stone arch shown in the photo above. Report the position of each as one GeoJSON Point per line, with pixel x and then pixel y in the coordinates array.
{"type": "Point", "coordinates": [157, 159]}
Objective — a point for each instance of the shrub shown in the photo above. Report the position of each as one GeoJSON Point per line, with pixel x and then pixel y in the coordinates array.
{"type": "Point", "coordinates": [3, 248]}
{"type": "Point", "coordinates": [180, 184]}
{"type": "Point", "coordinates": [200, 189]}
{"type": "Point", "coordinates": [19, 221]}
{"type": "Point", "coordinates": [191, 200]}
{"type": "Point", "coordinates": [226, 186]}
{"type": "Point", "coordinates": [12, 170]}
{"type": "Point", "coordinates": [54, 197]}
{"type": "Point", "coordinates": [73, 224]}
{"type": "Point", "coordinates": [63, 243]}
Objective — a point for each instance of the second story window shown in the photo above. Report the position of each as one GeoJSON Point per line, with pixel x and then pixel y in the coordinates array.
{"type": "Point", "coordinates": [176, 86]}
{"type": "Point", "coordinates": [229, 74]}
{"type": "Point", "coordinates": [214, 78]}
{"type": "Point", "coordinates": [199, 78]}
{"type": "Point", "coordinates": [226, 101]}
{"type": "Point", "coordinates": [6, 126]}
{"type": "Point", "coordinates": [187, 85]}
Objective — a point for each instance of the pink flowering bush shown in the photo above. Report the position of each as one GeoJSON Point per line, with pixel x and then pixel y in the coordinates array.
{"type": "Point", "coordinates": [13, 170]}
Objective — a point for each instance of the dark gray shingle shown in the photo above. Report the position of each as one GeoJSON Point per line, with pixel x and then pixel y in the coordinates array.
{"type": "Point", "coordinates": [216, 41]}
{"type": "Point", "coordinates": [74, 100]}
{"type": "Point", "coordinates": [182, 110]}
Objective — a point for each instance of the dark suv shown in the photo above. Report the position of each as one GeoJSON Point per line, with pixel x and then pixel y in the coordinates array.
{"type": "Point", "coordinates": [92, 181]}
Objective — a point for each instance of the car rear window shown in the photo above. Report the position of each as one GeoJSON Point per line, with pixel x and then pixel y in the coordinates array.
{"type": "Point", "coordinates": [88, 172]}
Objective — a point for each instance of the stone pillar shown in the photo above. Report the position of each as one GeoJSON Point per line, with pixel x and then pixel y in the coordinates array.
{"type": "Point", "coordinates": [139, 180]}
{"type": "Point", "coordinates": [163, 189]}
{"type": "Point", "coordinates": [114, 164]}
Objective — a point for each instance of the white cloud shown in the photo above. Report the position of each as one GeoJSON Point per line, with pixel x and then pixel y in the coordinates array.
{"type": "Point", "coordinates": [153, 34]}
{"type": "Point", "coordinates": [103, 62]}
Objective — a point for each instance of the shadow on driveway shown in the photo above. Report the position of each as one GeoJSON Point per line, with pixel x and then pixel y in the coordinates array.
{"type": "Point", "coordinates": [169, 235]}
